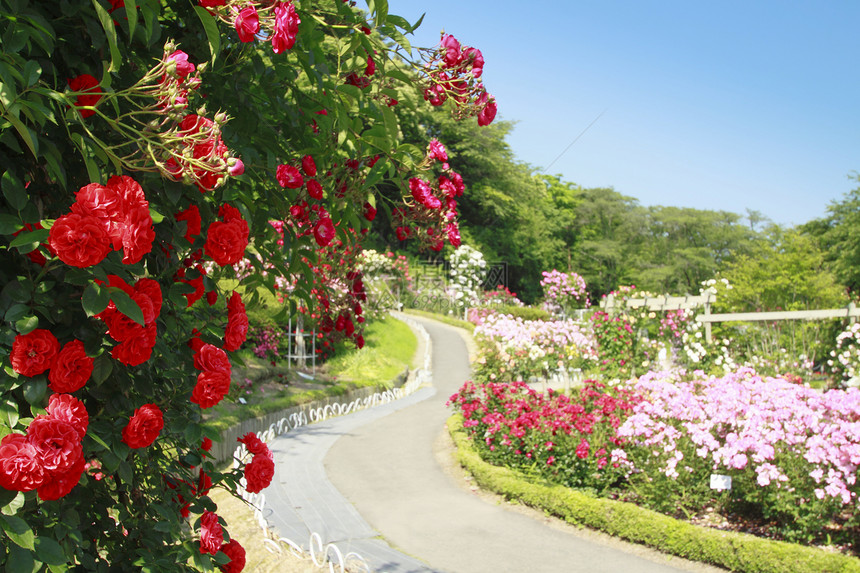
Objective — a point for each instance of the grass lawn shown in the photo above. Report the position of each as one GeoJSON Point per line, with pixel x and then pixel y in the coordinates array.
{"type": "Point", "coordinates": [265, 387]}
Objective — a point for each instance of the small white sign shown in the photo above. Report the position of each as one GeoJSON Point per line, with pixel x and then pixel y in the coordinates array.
{"type": "Point", "coordinates": [721, 482]}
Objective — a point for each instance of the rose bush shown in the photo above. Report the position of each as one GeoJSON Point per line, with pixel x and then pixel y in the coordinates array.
{"type": "Point", "coordinates": [139, 147]}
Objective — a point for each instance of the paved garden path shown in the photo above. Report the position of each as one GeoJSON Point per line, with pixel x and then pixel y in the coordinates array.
{"type": "Point", "coordinates": [394, 498]}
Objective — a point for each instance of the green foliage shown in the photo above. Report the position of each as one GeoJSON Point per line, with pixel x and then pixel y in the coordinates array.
{"type": "Point", "coordinates": [523, 312]}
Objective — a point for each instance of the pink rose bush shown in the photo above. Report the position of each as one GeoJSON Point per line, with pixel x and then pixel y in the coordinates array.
{"type": "Point", "coordinates": [793, 452]}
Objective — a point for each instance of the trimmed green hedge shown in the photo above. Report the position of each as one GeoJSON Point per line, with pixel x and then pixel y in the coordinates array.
{"type": "Point", "coordinates": [734, 551]}
{"type": "Point", "coordinates": [524, 312]}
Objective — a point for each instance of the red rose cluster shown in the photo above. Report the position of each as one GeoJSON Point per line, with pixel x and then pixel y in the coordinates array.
{"type": "Point", "coordinates": [49, 458]}
{"type": "Point", "coordinates": [213, 381]}
{"type": "Point", "coordinates": [261, 469]}
{"type": "Point", "coordinates": [116, 214]}
{"type": "Point", "coordinates": [453, 71]}
{"type": "Point", "coordinates": [237, 323]}
{"type": "Point", "coordinates": [432, 216]}
{"type": "Point", "coordinates": [227, 239]}
{"type": "Point", "coordinates": [276, 22]}
{"type": "Point", "coordinates": [199, 155]}
{"type": "Point", "coordinates": [135, 341]}
{"type": "Point", "coordinates": [39, 351]}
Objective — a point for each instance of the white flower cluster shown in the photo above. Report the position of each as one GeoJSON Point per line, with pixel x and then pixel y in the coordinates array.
{"type": "Point", "coordinates": [468, 270]}
{"type": "Point", "coordinates": [712, 285]}
{"type": "Point", "coordinates": [847, 352]}
{"type": "Point", "coordinates": [373, 263]}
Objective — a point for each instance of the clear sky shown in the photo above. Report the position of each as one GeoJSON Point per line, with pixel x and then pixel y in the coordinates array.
{"type": "Point", "coordinates": [729, 105]}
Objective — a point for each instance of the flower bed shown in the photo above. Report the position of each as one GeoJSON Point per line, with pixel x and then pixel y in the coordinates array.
{"type": "Point", "coordinates": [791, 452]}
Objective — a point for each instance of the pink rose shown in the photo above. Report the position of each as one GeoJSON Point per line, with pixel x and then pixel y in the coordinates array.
{"type": "Point", "coordinates": [247, 24]}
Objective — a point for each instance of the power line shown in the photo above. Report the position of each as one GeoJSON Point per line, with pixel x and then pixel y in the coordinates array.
{"type": "Point", "coordinates": [581, 133]}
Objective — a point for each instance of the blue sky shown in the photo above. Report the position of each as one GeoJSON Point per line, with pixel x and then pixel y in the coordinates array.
{"type": "Point", "coordinates": [719, 105]}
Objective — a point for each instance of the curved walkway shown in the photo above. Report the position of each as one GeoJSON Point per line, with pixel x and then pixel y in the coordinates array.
{"type": "Point", "coordinates": [386, 463]}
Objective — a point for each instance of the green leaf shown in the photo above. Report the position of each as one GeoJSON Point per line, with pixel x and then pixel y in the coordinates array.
{"type": "Point", "coordinates": [18, 531]}
{"type": "Point", "coordinates": [6, 497]}
{"type": "Point", "coordinates": [95, 299]}
{"type": "Point", "coordinates": [102, 367]}
{"type": "Point", "coordinates": [156, 216]}
{"type": "Point", "coordinates": [27, 325]}
{"type": "Point", "coordinates": [10, 224]}
{"type": "Point", "coordinates": [14, 191]}
{"type": "Point", "coordinates": [210, 26]}
{"type": "Point", "coordinates": [32, 72]}
{"type": "Point", "coordinates": [110, 32]}
{"type": "Point", "coordinates": [20, 561]}
{"type": "Point", "coordinates": [29, 241]}
{"type": "Point", "coordinates": [125, 305]}
{"type": "Point", "coordinates": [16, 312]}
{"type": "Point", "coordinates": [50, 552]}
{"type": "Point", "coordinates": [25, 133]}
{"type": "Point", "coordinates": [17, 503]}
{"type": "Point", "coordinates": [35, 389]}
{"type": "Point", "coordinates": [103, 444]}
{"type": "Point", "coordinates": [131, 14]}
{"type": "Point", "coordinates": [125, 473]}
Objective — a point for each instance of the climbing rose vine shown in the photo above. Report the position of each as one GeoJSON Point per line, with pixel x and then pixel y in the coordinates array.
{"type": "Point", "coordinates": [147, 152]}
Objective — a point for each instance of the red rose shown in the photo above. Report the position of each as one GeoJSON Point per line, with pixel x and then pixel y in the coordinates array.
{"type": "Point", "coordinates": [143, 426]}
{"type": "Point", "coordinates": [315, 190]}
{"type": "Point", "coordinates": [255, 445]}
{"type": "Point", "coordinates": [72, 368]}
{"type": "Point", "coordinates": [61, 484]}
{"type": "Point", "coordinates": [289, 176]}
{"type": "Point", "coordinates": [180, 60]}
{"type": "Point", "coordinates": [236, 553]}
{"type": "Point", "coordinates": [92, 93]}
{"type": "Point", "coordinates": [136, 349]}
{"type": "Point", "coordinates": [57, 443]}
{"type": "Point", "coordinates": [211, 358]}
{"type": "Point", "coordinates": [488, 113]}
{"type": "Point", "coordinates": [137, 236]}
{"type": "Point", "coordinates": [193, 222]}
{"type": "Point", "coordinates": [309, 166]}
{"type": "Point", "coordinates": [34, 353]}
{"type": "Point", "coordinates": [20, 467]}
{"type": "Point", "coordinates": [197, 283]}
{"type": "Point", "coordinates": [369, 212]}
{"type": "Point", "coordinates": [103, 203]}
{"type": "Point", "coordinates": [211, 533]}
{"type": "Point", "coordinates": [147, 295]}
{"type": "Point", "coordinates": [204, 483]}
{"type": "Point", "coordinates": [247, 24]}
{"type": "Point", "coordinates": [206, 445]}
{"type": "Point", "coordinates": [324, 231]}
{"type": "Point", "coordinates": [226, 241]}
{"type": "Point", "coordinates": [79, 240]}
{"type": "Point", "coordinates": [286, 27]}
{"type": "Point", "coordinates": [259, 473]}
{"type": "Point", "coordinates": [69, 409]}
{"type": "Point", "coordinates": [237, 323]}
{"type": "Point", "coordinates": [211, 387]}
